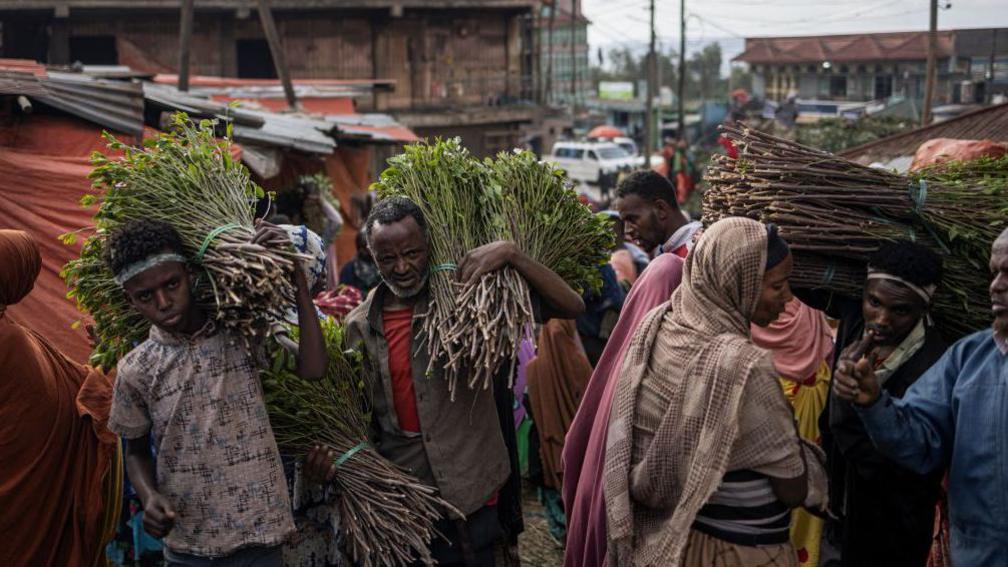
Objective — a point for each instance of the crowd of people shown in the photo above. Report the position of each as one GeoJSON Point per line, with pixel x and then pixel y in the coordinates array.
{"type": "Point", "coordinates": [697, 410]}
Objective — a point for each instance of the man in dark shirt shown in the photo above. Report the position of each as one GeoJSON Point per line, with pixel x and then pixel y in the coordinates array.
{"type": "Point", "coordinates": [464, 447]}
{"type": "Point", "coordinates": [360, 272]}
{"type": "Point", "coordinates": [886, 512]}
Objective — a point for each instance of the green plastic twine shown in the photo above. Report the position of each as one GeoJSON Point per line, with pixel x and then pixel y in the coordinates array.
{"type": "Point", "coordinates": [444, 268]}
{"type": "Point", "coordinates": [918, 194]}
{"type": "Point", "coordinates": [346, 456]}
{"type": "Point", "coordinates": [828, 276]}
{"type": "Point", "coordinates": [209, 238]}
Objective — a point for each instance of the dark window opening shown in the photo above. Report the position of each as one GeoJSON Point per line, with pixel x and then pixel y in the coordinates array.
{"type": "Point", "coordinates": [838, 87]}
{"type": "Point", "coordinates": [22, 39]}
{"type": "Point", "coordinates": [94, 50]}
{"type": "Point", "coordinates": [883, 86]}
{"type": "Point", "coordinates": [255, 60]}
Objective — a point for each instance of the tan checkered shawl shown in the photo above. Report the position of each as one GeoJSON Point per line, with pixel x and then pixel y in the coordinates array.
{"type": "Point", "coordinates": [675, 417]}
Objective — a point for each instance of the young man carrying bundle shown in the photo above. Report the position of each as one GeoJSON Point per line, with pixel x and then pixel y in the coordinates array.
{"type": "Point", "coordinates": [219, 495]}
{"type": "Point", "coordinates": [886, 511]}
{"type": "Point", "coordinates": [456, 446]}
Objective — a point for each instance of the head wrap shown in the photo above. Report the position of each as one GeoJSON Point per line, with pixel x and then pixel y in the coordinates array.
{"type": "Point", "coordinates": [20, 264]}
{"type": "Point", "coordinates": [683, 380]}
{"type": "Point", "coordinates": [136, 268]}
{"type": "Point", "coordinates": [777, 247]}
{"type": "Point", "coordinates": [308, 243]}
{"type": "Point", "coordinates": [925, 292]}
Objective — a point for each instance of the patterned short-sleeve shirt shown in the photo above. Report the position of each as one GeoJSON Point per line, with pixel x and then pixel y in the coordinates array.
{"type": "Point", "coordinates": [217, 460]}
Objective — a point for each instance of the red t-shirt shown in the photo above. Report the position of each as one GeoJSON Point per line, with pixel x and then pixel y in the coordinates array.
{"type": "Point", "coordinates": [398, 326]}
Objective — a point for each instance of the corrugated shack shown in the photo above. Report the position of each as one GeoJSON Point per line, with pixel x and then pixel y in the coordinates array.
{"type": "Point", "coordinates": [51, 121]}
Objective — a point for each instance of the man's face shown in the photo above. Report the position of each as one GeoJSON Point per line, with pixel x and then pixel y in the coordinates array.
{"type": "Point", "coordinates": [643, 221]}
{"type": "Point", "coordinates": [162, 296]}
{"type": "Point", "coordinates": [400, 252]}
{"type": "Point", "coordinates": [999, 286]}
{"type": "Point", "coordinates": [891, 310]}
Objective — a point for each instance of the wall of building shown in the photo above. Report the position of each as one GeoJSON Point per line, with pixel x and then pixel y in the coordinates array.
{"type": "Point", "coordinates": [856, 82]}
{"type": "Point", "coordinates": [439, 59]}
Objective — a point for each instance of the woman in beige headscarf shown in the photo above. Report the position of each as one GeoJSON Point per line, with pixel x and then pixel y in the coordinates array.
{"type": "Point", "coordinates": [703, 461]}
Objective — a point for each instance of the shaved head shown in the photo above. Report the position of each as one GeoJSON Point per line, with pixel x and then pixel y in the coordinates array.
{"type": "Point", "coordinates": [1002, 240]}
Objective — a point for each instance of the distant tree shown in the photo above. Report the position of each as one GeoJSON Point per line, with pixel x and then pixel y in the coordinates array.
{"type": "Point", "coordinates": [703, 79]}
{"type": "Point", "coordinates": [741, 78]}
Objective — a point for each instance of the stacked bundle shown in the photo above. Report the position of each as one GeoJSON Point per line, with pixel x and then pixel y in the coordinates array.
{"type": "Point", "coordinates": [835, 213]}
{"type": "Point", "coordinates": [386, 515]}
{"type": "Point", "coordinates": [473, 330]}
{"type": "Point", "coordinates": [188, 179]}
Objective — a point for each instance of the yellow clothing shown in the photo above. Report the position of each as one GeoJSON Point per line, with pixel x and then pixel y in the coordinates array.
{"type": "Point", "coordinates": [808, 402]}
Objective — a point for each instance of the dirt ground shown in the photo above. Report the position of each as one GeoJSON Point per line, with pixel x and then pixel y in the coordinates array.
{"type": "Point", "coordinates": [535, 546]}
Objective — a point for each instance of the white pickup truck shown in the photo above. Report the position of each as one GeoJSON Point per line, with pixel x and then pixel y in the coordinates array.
{"type": "Point", "coordinates": [596, 163]}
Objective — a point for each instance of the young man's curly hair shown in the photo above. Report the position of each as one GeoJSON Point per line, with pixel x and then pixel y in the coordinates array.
{"type": "Point", "coordinates": [913, 262]}
{"type": "Point", "coordinates": [648, 185]}
{"type": "Point", "coordinates": [138, 240]}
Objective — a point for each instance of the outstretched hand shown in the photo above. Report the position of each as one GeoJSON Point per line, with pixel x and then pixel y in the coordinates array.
{"type": "Point", "coordinates": [267, 232]}
{"type": "Point", "coordinates": [484, 260]}
{"type": "Point", "coordinates": [854, 378]}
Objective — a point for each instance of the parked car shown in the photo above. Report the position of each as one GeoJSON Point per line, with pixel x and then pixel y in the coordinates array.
{"type": "Point", "coordinates": [597, 163]}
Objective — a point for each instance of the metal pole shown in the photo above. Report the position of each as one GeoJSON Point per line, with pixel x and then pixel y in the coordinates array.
{"type": "Point", "coordinates": [279, 58]}
{"type": "Point", "coordinates": [681, 110]}
{"type": "Point", "coordinates": [574, 50]}
{"type": "Point", "coordinates": [989, 79]}
{"type": "Point", "coordinates": [649, 126]}
{"type": "Point", "coordinates": [929, 81]}
{"type": "Point", "coordinates": [549, 53]}
{"type": "Point", "coordinates": [185, 39]}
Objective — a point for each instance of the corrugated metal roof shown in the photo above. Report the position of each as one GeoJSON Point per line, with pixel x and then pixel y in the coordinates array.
{"type": "Point", "coordinates": [990, 123]}
{"type": "Point", "coordinates": [377, 127]}
{"type": "Point", "coordinates": [253, 126]}
{"type": "Point", "coordinates": [906, 46]}
{"type": "Point", "coordinates": [116, 105]}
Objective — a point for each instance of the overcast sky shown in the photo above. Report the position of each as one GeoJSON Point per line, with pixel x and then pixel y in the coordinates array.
{"type": "Point", "coordinates": [625, 22]}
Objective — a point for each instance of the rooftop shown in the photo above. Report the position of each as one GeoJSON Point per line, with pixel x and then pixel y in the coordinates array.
{"type": "Point", "coordinates": [989, 123]}
{"type": "Point", "coordinates": [854, 47]}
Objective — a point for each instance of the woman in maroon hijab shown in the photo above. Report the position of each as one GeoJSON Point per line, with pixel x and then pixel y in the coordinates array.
{"type": "Point", "coordinates": [59, 468]}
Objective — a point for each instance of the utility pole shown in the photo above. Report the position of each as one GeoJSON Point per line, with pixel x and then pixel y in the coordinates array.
{"type": "Point", "coordinates": [989, 75]}
{"type": "Point", "coordinates": [681, 110]}
{"type": "Point", "coordinates": [276, 50]}
{"type": "Point", "coordinates": [574, 52]}
{"type": "Point", "coordinates": [185, 40]}
{"type": "Point", "coordinates": [649, 129]}
{"type": "Point", "coordinates": [549, 52]}
{"type": "Point", "coordinates": [929, 80]}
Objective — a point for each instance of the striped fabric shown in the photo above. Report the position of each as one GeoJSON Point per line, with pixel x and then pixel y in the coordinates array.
{"type": "Point", "coordinates": [745, 511]}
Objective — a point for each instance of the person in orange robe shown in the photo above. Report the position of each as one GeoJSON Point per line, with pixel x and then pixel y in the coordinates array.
{"type": "Point", "coordinates": [59, 473]}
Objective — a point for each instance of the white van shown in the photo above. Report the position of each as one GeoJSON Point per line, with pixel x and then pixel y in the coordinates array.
{"type": "Point", "coordinates": [591, 162]}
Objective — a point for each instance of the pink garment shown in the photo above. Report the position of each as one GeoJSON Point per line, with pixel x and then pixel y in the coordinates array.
{"type": "Point", "coordinates": [800, 340]}
{"type": "Point", "coordinates": [584, 447]}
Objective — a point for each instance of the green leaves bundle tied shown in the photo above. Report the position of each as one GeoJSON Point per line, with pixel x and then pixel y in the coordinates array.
{"type": "Point", "coordinates": [386, 515]}
{"type": "Point", "coordinates": [472, 331]}
{"type": "Point", "coordinates": [188, 179]}
{"type": "Point", "coordinates": [834, 213]}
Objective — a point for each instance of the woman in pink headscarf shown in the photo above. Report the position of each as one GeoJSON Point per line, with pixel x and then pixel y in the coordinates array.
{"type": "Point", "coordinates": [584, 447]}
{"type": "Point", "coordinates": [802, 344]}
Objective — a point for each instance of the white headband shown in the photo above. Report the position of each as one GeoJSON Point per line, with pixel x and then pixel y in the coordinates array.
{"type": "Point", "coordinates": [926, 292]}
{"type": "Point", "coordinates": [131, 271]}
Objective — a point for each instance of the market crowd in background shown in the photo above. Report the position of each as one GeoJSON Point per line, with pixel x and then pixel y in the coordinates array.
{"type": "Point", "coordinates": [697, 409]}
